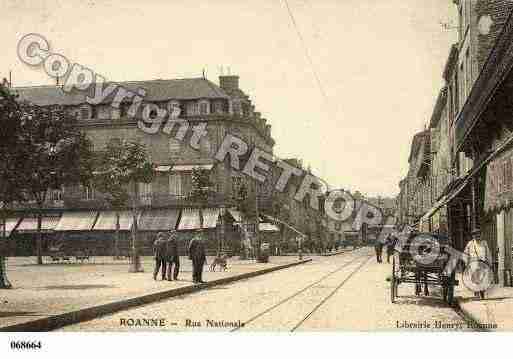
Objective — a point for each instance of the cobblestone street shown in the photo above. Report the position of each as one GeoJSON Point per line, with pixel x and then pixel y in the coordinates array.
{"type": "Point", "coordinates": [344, 292]}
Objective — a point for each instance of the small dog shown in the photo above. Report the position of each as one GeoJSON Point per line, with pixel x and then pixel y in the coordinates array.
{"type": "Point", "coordinates": [221, 261]}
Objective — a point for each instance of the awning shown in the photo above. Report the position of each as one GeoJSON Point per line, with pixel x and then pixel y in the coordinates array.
{"type": "Point", "coordinates": [162, 168]}
{"type": "Point", "coordinates": [289, 226]}
{"type": "Point", "coordinates": [29, 224]}
{"type": "Point", "coordinates": [188, 168]}
{"type": "Point", "coordinates": [158, 220]}
{"type": "Point", "coordinates": [446, 198]}
{"type": "Point", "coordinates": [190, 219]}
{"type": "Point", "coordinates": [77, 221]}
{"type": "Point", "coordinates": [10, 225]}
{"type": "Point", "coordinates": [235, 214]}
{"type": "Point", "coordinates": [107, 221]}
{"type": "Point", "coordinates": [210, 217]}
{"type": "Point", "coordinates": [268, 227]}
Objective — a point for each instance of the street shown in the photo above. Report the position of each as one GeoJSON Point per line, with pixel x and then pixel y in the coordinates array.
{"type": "Point", "coordinates": [342, 292]}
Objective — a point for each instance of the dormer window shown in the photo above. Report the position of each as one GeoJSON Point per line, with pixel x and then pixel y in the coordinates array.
{"type": "Point", "coordinates": [192, 108]}
{"type": "Point", "coordinates": [218, 107]}
{"type": "Point", "coordinates": [204, 107]}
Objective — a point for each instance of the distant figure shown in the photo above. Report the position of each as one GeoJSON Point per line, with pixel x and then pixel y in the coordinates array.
{"type": "Point", "coordinates": [159, 250]}
{"type": "Point", "coordinates": [379, 250]}
{"type": "Point", "coordinates": [197, 255]}
{"type": "Point", "coordinates": [172, 256]}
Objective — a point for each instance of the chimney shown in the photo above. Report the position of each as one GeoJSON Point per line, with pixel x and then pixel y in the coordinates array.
{"type": "Point", "coordinates": [268, 130]}
{"type": "Point", "coordinates": [229, 83]}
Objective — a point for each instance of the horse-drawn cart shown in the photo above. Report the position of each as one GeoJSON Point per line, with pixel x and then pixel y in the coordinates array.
{"type": "Point", "coordinates": [422, 260]}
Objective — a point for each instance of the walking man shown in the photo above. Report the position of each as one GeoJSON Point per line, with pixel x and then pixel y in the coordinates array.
{"type": "Point", "coordinates": [172, 256]}
{"type": "Point", "coordinates": [159, 250]}
{"type": "Point", "coordinates": [197, 255]}
{"type": "Point", "coordinates": [478, 252]}
{"type": "Point", "coordinates": [378, 247]}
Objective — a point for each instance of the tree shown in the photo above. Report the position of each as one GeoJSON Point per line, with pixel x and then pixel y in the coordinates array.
{"type": "Point", "coordinates": [54, 153]}
{"type": "Point", "coordinates": [121, 164]}
{"type": "Point", "coordinates": [11, 184]}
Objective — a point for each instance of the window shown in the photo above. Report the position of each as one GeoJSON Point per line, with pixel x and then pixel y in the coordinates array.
{"type": "Point", "coordinates": [174, 147]}
{"type": "Point", "coordinates": [84, 113]}
{"type": "Point", "coordinates": [236, 184]}
{"type": "Point", "coordinates": [468, 67]}
{"type": "Point", "coordinates": [204, 107]}
{"type": "Point", "coordinates": [173, 109]}
{"type": "Point", "coordinates": [175, 184]}
{"type": "Point", "coordinates": [115, 113]}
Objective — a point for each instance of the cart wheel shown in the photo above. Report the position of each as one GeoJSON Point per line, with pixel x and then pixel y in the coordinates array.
{"type": "Point", "coordinates": [393, 283]}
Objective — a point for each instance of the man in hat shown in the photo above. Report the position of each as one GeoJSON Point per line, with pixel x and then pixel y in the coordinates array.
{"type": "Point", "coordinates": [197, 255]}
{"type": "Point", "coordinates": [172, 256]}
{"type": "Point", "coordinates": [159, 250]}
{"type": "Point", "coordinates": [478, 251]}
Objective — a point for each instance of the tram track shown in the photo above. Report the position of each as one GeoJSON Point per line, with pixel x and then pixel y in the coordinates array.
{"type": "Point", "coordinates": [312, 286]}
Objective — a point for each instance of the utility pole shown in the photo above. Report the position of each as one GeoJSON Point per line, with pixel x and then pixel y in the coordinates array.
{"type": "Point", "coordinates": [257, 229]}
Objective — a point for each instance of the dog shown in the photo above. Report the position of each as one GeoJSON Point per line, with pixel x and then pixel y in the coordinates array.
{"type": "Point", "coordinates": [221, 261]}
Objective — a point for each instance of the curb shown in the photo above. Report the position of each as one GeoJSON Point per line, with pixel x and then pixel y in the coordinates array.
{"type": "Point", "coordinates": [81, 315]}
{"type": "Point", "coordinates": [469, 317]}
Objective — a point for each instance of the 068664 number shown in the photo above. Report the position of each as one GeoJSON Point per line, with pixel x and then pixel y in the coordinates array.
{"type": "Point", "coordinates": [23, 345]}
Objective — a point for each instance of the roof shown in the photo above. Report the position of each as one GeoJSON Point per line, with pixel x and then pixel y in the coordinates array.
{"type": "Point", "coordinates": [156, 90]}
{"type": "Point", "coordinates": [416, 142]}
{"type": "Point", "coordinates": [451, 61]}
{"type": "Point", "coordinates": [441, 101]}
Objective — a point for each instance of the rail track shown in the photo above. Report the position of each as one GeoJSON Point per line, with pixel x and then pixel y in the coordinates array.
{"type": "Point", "coordinates": [312, 286]}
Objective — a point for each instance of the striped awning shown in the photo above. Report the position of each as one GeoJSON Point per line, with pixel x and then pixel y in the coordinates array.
{"type": "Point", "coordinates": [158, 220]}
{"type": "Point", "coordinates": [210, 217]}
{"type": "Point", "coordinates": [267, 227]}
{"type": "Point", "coordinates": [190, 219]}
{"type": "Point", "coordinates": [77, 221]}
{"type": "Point", "coordinates": [29, 224]}
{"type": "Point", "coordinates": [10, 225]}
{"type": "Point", "coordinates": [188, 168]}
{"type": "Point", "coordinates": [107, 221]}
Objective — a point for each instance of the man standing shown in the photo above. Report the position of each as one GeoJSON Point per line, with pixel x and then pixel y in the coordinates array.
{"type": "Point", "coordinates": [478, 253]}
{"type": "Point", "coordinates": [390, 243]}
{"type": "Point", "coordinates": [172, 256]}
{"type": "Point", "coordinates": [159, 249]}
{"type": "Point", "coordinates": [197, 255]}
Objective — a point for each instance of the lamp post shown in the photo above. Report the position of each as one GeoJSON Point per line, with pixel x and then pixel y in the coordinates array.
{"type": "Point", "coordinates": [135, 265]}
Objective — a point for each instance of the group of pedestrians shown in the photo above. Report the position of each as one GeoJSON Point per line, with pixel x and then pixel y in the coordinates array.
{"type": "Point", "coordinates": [389, 244]}
{"type": "Point", "coordinates": [166, 253]}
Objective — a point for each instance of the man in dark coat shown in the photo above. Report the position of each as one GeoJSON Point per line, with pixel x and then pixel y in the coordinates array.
{"type": "Point", "coordinates": [159, 249]}
{"type": "Point", "coordinates": [378, 247]}
{"type": "Point", "coordinates": [172, 256]}
{"type": "Point", "coordinates": [197, 255]}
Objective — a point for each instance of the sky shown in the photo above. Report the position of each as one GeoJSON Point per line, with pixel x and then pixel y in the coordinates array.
{"type": "Point", "coordinates": [345, 84]}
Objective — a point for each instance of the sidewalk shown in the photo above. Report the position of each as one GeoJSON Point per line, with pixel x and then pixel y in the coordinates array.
{"type": "Point", "coordinates": [494, 313]}
{"type": "Point", "coordinates": [56, 289]}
